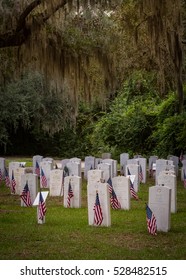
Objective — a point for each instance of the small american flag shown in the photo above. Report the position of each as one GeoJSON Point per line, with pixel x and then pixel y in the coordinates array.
{"type": "Point", "coordinates": [132, 191]}
{"type": "Point", "coordinates": [1, 176]}
{"type": "Point", "coordinates": [151, 221]}
{"type": "Point", "coordinates": [98, 216]}
{"type": "Point", "coordinates": [140, 174]}
{"type": "Point", "coordinates": [7, 179]}
{"type": "Point", "coordinates": [13, 183]}
{"type": "Point", "coordinates": [43, 179]}
{"type": "Point", "coordinates": [25, 195]}
{"type": "Point", "coordinates": [115, 204]}
{"type": "Point", "coordinates": [70, 194]}
{"type": "Point", "coordinates": [37, 169]}
{"type": "Point", "coordinates": [184, 178]}
{"type": "Point", "coordinates": [42, 207]}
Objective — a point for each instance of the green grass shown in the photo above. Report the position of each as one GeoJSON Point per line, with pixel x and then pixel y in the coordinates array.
{"type": "Point", "coordinates": [67, 235]}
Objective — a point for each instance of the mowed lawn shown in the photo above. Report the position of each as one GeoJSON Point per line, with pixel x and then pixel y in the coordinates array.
{"type": "Point", "coordinates": [66, 234]}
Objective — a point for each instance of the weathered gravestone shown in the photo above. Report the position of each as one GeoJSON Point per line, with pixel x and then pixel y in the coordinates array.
{"type": "Point", "coordinates": [160, 204]}
{"type": "Point", "coordinates": [64, 163]}
{"type": "Point", "coordinates": [32, 181]}
{"type": "Point", "coordinates": [98, 161]}
{"type": "Point", "coordinates": [2, 167]}
{"type": "Point", "coordinates": [121, 187]}
{"type": "Point", "coordinates": [133, 169]}
{"type": "Point", "coordinates": [72, 192]}
{"type": "Point", "coordinates": [106, 155]}
{"type": "Point", "coordinates": [169, 180]}
{"type": "Point", "coordinates": [46, 167]}
{"type": "Point", "coordinates": [74, 168]}
{"type": "Point", "coordinates": [175, 161]}
{"type": "Point", "coordinates": [89, 164]}
{"type": "Point", "coordinates": [56, 182]}
{"type": "Point", "coordinates": [95, 176]}
{"type": "Point", "coordinates": [123, 162]}
{"type": "Point", "coordinates": [11, 166]}
{"type": "Point", "coordinates": [152, 165]}
{"type": "Point", "coordinates": [18, 172]}
{"type": "Point", "coordinates": [163, 165]}
{"type": "Point", "coordinates": [183, 169]}
{"type": "Point", "coordinates": [106, 168]}
{"type": "Point", "coordinates": [101, 190]}
{"type": "Point", "coordinates": [112, 165]}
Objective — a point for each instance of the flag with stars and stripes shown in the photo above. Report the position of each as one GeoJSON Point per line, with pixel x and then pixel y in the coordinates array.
{"type": "Point", "coordinates": [42, 207]}
{"type": "Point", "coordinates": [151, 221]}
{"type": "Point", "coordinates": [7, 179]}
{"type": "Point", "coordinates": [114, 202]}
{"type": "Point", "coordinates": [37, 169]}
{"type": "Point", "coordinates": [98, 215]}
{"type": "Point", "coordinates": [132, 191]}
{"type": "Point", "coordinates": [43, 179]}
{"type": "Point", "coordinates": [70, 194]}
{"type": "Point", "coordinates": [13, 183]}
{"type": "Point", "coordinates": [25, 195]}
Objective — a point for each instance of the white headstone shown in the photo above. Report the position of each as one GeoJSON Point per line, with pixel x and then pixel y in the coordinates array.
{"type": "Point", "coordinates": [161, 165]}
{"type": "Point", "coordinates": [115, 168]}
{"type": "Point", "coordinates": [89, 164]}
{"type": "Point", "coordinates": [152, 165]}
{"type": "Point", "coordinates": [18, 172]}
{"type": "Point", "coordinates": [160, 204]}
{"type": "Point", "coordinates": [175, 160]}
{"type": "Point", "coordinates": [95, 176]}
{"type": "Point", "coordinates": [46, 166]}
{"type": "Point", "coordinates": [98, 161]}
{"type": "Point", "coordinates": [104, 198]}
{"type": "Point", "coordinates": [123, 162]}
{"type": "Point", "coordinates": [121, 187]}
{"type": "Point", "coordinates": [133, 169]}
{"type": "Point", "coordinates": [64, 162]}
{"type": "Point", "coordinates": [74, 168]}
{"type": "Point", "coordinates": [32, 185]}
{"type": "Point", "coordinates": [2, 166]}
{"type": "Point", "coordinates": [111, 162]}
{"type": "Point", "coordinates": [143, 163]}
{"type": "Point", "coordinates": [56, 182]}
{"type": "Point", "coordinates": [169, 180]}
{"type": "Point", "coordinates": [75, 182]}
{"type": "Point", "coordinates": [11, 166]}
{"type": "Point", "coordinates": [106, 168]}
{"type": "Point", "coordinates": [106, 155]}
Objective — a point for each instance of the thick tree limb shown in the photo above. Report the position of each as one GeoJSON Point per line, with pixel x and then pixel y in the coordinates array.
{"type": "Point", "coordinates": [20, 34]}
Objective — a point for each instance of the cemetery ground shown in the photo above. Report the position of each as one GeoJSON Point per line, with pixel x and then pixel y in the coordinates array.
{"type": "Point", "coordinates": [66, 234]}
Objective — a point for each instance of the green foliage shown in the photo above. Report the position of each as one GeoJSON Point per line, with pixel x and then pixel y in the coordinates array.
{"type": "Point", "coordinates": [30, 107]}
{"type": "Point", "coordinates": [130, 122]}
{"type": "Point", "coordinates": [140, 122]}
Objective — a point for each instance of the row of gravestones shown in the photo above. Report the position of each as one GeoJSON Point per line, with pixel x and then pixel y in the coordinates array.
{"type": "Point", "coordinates": [162, 197]}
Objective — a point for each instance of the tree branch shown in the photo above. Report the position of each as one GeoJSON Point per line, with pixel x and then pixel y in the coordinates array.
{"type": "Point", "coordinates": [18, 36]}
